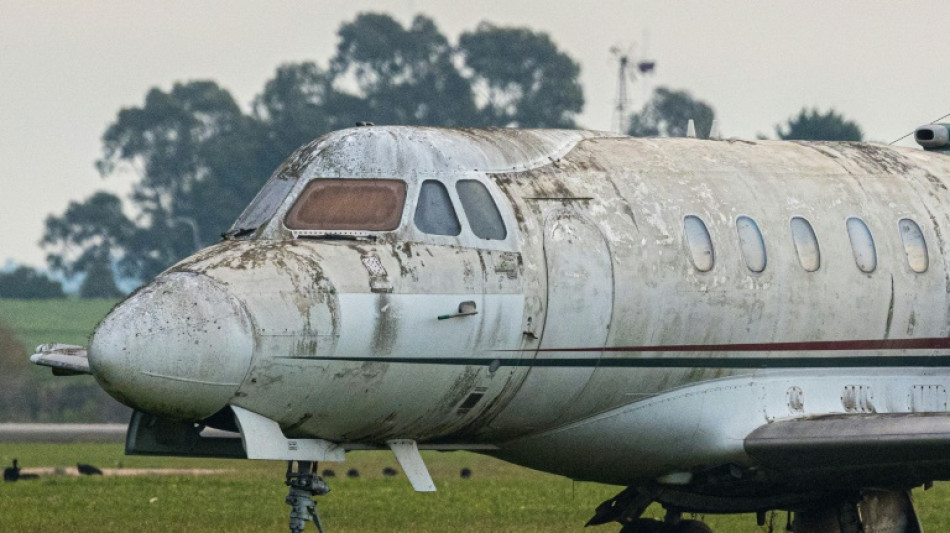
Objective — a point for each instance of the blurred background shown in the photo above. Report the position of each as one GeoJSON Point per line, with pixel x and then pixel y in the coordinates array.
{"type": "Point", "coordinates": [133, 134]}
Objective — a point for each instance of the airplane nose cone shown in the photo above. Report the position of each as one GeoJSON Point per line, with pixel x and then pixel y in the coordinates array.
{"type": "Point", "coordinates": [179, 347]}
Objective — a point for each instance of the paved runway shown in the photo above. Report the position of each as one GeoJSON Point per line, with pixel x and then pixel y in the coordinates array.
{"type": "Point", "coordinates": [62, 433]}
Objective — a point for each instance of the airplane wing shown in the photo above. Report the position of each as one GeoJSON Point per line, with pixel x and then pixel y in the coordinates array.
{"type": "Point", "coordinates": [871, 447]}
{"type": "Point", "coordinates": [64, 359]}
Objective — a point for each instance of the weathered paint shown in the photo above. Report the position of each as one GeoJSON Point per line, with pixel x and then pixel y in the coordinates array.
{"type": "Point", "coordinates": [189, 352]}
{"type": "Point", "coordinates": [579, 300]}
{"type": "Point", "coordinates": [347, 345]}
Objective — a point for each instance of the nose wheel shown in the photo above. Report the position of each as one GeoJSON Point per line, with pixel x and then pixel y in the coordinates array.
{"type": "Point", "coordinates": [304, 484]}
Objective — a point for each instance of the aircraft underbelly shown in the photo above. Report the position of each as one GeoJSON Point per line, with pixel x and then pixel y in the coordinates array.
{"type": "Point", "coordinates": [703, 426]}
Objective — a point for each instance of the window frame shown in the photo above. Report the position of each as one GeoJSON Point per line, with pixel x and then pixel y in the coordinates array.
{"type": "Point", "coordinates": [493, 203]}
{"type": "Point", "coordinates": [467, 238]}
{"type": "Point", "coordinates": [906, 245]}
{"type": "Point", "coordinates": [857, 228]}
{"type": "Point", "coordinates": [406, 230]}
{"type": "Point", "coordinates": [295, 196]}
{"type": "Point", "coordinates": [814, 238]}
{"type": "Point", "coordinates": [693, 247]}
{"type": "Point", "coordinates": [416, 205]}
{"type": "Point", "coordinates": [743, 251]}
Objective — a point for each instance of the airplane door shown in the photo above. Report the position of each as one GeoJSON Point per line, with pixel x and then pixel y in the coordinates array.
{"type": "Point", "coordinates": [579, 308]}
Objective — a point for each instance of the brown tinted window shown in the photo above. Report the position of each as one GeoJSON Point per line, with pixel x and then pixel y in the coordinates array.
{"type": "Point", "coordinates": [348, 204]}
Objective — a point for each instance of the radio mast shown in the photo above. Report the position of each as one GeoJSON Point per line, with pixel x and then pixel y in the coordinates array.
{"type": "Point", "coordinates": [628, 69]}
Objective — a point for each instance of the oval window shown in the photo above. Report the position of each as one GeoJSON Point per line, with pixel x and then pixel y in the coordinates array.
{"type": "Point", "coordinates": [862, 244]}
{"type": "Point", "coordinates": [699, 243]}
{"type": "Point", "coordinates": [751, 243]}
{"type": "Point", "coordinates": [434, 212]}
{"type": "Point", "coordinates": [806, 244]}
{"type": "Point", "coordinates": [914, 245]}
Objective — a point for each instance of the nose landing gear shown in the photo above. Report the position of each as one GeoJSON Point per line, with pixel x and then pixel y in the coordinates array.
{"type": "Point", "coordinates": [304, 484]}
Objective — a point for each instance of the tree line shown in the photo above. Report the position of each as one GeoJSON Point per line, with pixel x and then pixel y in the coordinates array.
{"type": "Point", "coordinates": [198, 159]}
{"type": "Point", "coordinates": [668, 112]}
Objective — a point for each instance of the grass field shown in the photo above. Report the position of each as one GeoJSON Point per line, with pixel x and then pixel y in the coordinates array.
{"type": "Point", "coordinates": [499, 497]}
{"type": "Point", "coordinates": [249, 496]}
{"type": "Point", "coordinates": [32, 393]}
{"type": "Point", "coordinates": [68, 321]}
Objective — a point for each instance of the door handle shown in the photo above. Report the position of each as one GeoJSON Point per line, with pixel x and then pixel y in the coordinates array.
{"type": "Point", "coordinates": [465, 309]}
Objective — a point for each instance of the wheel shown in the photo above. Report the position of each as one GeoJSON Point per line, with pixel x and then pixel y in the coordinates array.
{"type": "Point", "coordinates": [691, 526]}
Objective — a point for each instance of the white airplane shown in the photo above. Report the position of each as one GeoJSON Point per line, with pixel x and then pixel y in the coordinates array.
{"type": "Point", "coordinates": [720, 326]}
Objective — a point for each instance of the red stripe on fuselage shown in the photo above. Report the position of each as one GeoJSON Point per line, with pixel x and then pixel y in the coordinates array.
{"type": "Point", "coordinates": [932, 343]}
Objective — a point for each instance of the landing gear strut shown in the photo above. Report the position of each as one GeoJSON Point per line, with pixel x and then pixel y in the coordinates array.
{"type": "Point", "coordinates": [877, 511]}
{"type": "Point", "coordinates": [304, 484]}
{"type": "Point", "coordinates": [627, 507]}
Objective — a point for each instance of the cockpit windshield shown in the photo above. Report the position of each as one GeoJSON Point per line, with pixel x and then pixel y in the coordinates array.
{"type": "Point", "coordinates": [263, 207]}
{"type": "Point", "coordinates": [348, 205]}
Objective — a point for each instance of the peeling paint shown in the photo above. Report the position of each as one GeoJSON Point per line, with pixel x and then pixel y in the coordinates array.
{"type": "Point", "coordinates": [313, 356]}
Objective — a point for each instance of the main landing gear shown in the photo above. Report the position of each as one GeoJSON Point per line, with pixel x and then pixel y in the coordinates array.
{"type": "Point", "coordinates": [304, 484]}
{"type": "Point", "coordinates": [872, 512]}
{"type": "Point", "coordinates": [627, 507]}
{"type": "Point", "coordinates": [672, 524]}
{"type": "Point", "coordinates": [864, 511]}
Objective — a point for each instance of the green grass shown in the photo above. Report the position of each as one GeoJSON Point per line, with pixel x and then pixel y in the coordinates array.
{"type": "Point", "coordinates": [249, 496]}
{"type": "Point", "coordinates": [32, 393]}
{"type": "Point", "coordinates": [68, 321]}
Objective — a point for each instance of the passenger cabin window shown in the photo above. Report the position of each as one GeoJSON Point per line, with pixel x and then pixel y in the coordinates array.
{"type": "Point", "coordinates": [862, 244]}
{"type": "Point", "coordinates": [699, 243]}
{"type": "Point", "coordinates": [806, 244]}
{"type": "Point", "coordinates": [434, 212]}
{"type": "Point", "coordinates": [349, 205]}
{"type": "Point", "coordinates": [914, 245]}
{"type": "Point", "coordinates": [480, 210]}
{"type": "Point", "coordinates": [751, 243]}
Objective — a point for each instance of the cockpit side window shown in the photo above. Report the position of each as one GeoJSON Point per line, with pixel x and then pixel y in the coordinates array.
{"type": "Point", "coordinates": [348, 204]}
{"type": "Point", "coordinates": [434, 212]}
{"type": "Point", "coordinates": [481, 211]}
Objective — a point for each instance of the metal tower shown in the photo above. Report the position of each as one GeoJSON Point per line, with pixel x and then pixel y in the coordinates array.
{"type": "Point", "coordinates": [621, 119]}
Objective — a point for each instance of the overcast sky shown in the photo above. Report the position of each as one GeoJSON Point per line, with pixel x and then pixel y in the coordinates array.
{"type": "Point", "coordinates": [66, 68]}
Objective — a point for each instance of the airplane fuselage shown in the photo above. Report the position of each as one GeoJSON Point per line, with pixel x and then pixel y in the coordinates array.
{"type": "Point", "coordinates": [607, 308]}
